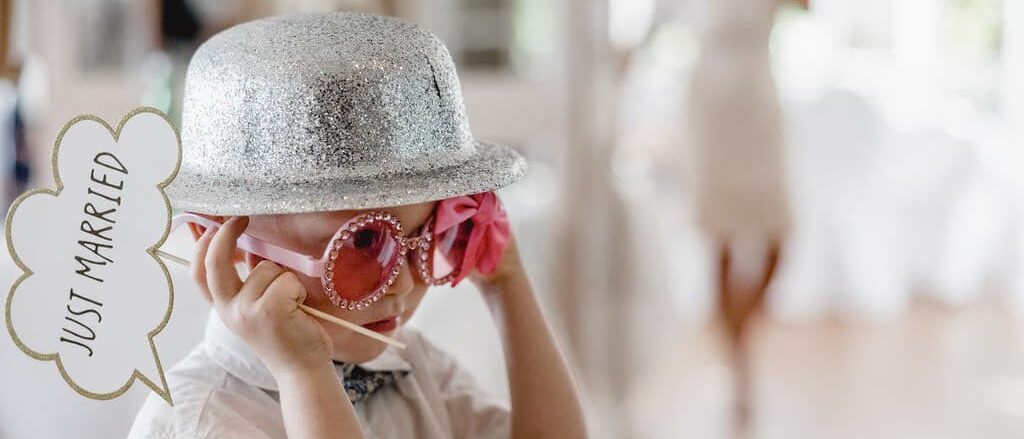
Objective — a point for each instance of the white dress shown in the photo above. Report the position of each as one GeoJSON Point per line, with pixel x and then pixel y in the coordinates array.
{"type": "Point", "coordinates": [736, 122]}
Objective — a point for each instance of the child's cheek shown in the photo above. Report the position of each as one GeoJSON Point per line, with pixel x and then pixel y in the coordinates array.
{"type": "Point", "coordinates": [315, 295]}
{"type": "Point", "coordinates": [412, 302]}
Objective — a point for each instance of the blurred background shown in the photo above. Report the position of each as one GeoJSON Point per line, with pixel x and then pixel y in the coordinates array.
{"type": "Point", "coordinates": [746, 218]}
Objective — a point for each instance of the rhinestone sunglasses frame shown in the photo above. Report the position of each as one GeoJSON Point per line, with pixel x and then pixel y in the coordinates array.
{"type": "Point", "coordinates": [323, 267]}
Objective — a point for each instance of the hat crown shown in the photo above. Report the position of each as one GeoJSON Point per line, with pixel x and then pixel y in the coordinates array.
{"type": "Point", "coordinates": [314, 96]}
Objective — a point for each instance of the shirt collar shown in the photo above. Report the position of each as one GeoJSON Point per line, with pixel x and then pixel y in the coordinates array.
{"type": "Point", "coordinates": [238, 359]}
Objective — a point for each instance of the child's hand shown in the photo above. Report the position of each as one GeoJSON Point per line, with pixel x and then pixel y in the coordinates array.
{"type": "Point", "coordinates": [263, 311]}
{"type": "Point", "coordinates": [509, 267]}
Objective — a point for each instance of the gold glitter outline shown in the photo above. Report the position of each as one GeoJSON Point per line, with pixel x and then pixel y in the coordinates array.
{"type": "Point", "coordinates": [163, 390]}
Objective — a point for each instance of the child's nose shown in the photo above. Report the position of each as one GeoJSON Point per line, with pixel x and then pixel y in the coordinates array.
{"type": "Point", "coordinates": [404, 283]}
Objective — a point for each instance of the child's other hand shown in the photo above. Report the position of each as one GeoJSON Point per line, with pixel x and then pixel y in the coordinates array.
{"type": "Point", "coordinates": [263, 311]}
{"type": "Point", "coordinates": [509, 267]}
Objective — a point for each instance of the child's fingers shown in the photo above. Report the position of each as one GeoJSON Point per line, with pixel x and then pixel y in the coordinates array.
{"type": "Point", "coordinates": [221, 275]}
{"type": "Point", "coordinates": [198, 268]}
{"type": "Point", "coordinates": [258, 280]}
{"type": "Point", "coordinates": [285, 293]}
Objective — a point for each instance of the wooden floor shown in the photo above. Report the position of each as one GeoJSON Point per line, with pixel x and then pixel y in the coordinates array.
{"type": "Point", "coordinates": [934, 373]}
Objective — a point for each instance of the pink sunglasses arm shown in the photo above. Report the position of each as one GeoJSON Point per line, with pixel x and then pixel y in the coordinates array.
{"type": "Point", "coordinates": [303, 264]}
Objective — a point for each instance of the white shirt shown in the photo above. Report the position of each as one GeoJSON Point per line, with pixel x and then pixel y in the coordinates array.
{"type": "Point", "coordinates": [221, 390]}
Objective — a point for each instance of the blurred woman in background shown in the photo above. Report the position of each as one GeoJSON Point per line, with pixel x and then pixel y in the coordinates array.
{"type": "Point", "coordinates": [741, 204]}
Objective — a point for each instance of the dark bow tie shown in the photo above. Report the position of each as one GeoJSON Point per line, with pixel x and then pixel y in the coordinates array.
{"type": "Point", "coordinates": [361, 383]}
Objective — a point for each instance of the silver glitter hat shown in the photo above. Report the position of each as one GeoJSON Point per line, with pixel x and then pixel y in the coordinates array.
{"type": "Point", "coordinates": [318, 112]}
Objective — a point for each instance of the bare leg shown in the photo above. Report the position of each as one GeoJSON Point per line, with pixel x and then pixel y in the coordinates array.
{"type": "Point", "coordinates": [738, 304]}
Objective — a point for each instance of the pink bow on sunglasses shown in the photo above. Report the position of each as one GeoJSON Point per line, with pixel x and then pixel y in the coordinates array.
{"type": "Point", "coordinates": [365, 256]}
{"type": "Point", "coordinates": [488, 231]}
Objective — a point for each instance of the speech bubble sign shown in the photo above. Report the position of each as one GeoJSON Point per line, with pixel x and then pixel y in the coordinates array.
{"type": "Point", "coordinates": [93, 293]}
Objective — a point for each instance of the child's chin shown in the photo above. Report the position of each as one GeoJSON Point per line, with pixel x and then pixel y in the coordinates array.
{"type": "Point", "coordinates": [359, 351]}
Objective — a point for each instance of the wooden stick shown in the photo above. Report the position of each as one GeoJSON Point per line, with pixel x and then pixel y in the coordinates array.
{"type": "Point", "coordinates": [174, 258]}
{"type": "Point", "coordinates": [313, 311]}
{"type": "Point", "coordinates": [345, 323]}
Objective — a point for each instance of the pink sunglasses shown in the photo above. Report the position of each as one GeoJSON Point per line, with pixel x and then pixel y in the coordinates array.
{"type": "Point", "coordinates": [366, 255]}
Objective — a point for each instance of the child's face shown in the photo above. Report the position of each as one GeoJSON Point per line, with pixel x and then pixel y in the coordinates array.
{"type": "Point", "coordinates": [309, 233]}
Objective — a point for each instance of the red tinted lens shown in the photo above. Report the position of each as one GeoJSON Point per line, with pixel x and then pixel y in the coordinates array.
{"type": "Point", "coordinates": [450, 249]}
{"type": "Point", "coordinates": [365, 260]}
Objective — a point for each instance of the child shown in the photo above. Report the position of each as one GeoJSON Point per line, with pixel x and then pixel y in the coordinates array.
{"type": "Point", "coordinates": [344, 135]}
